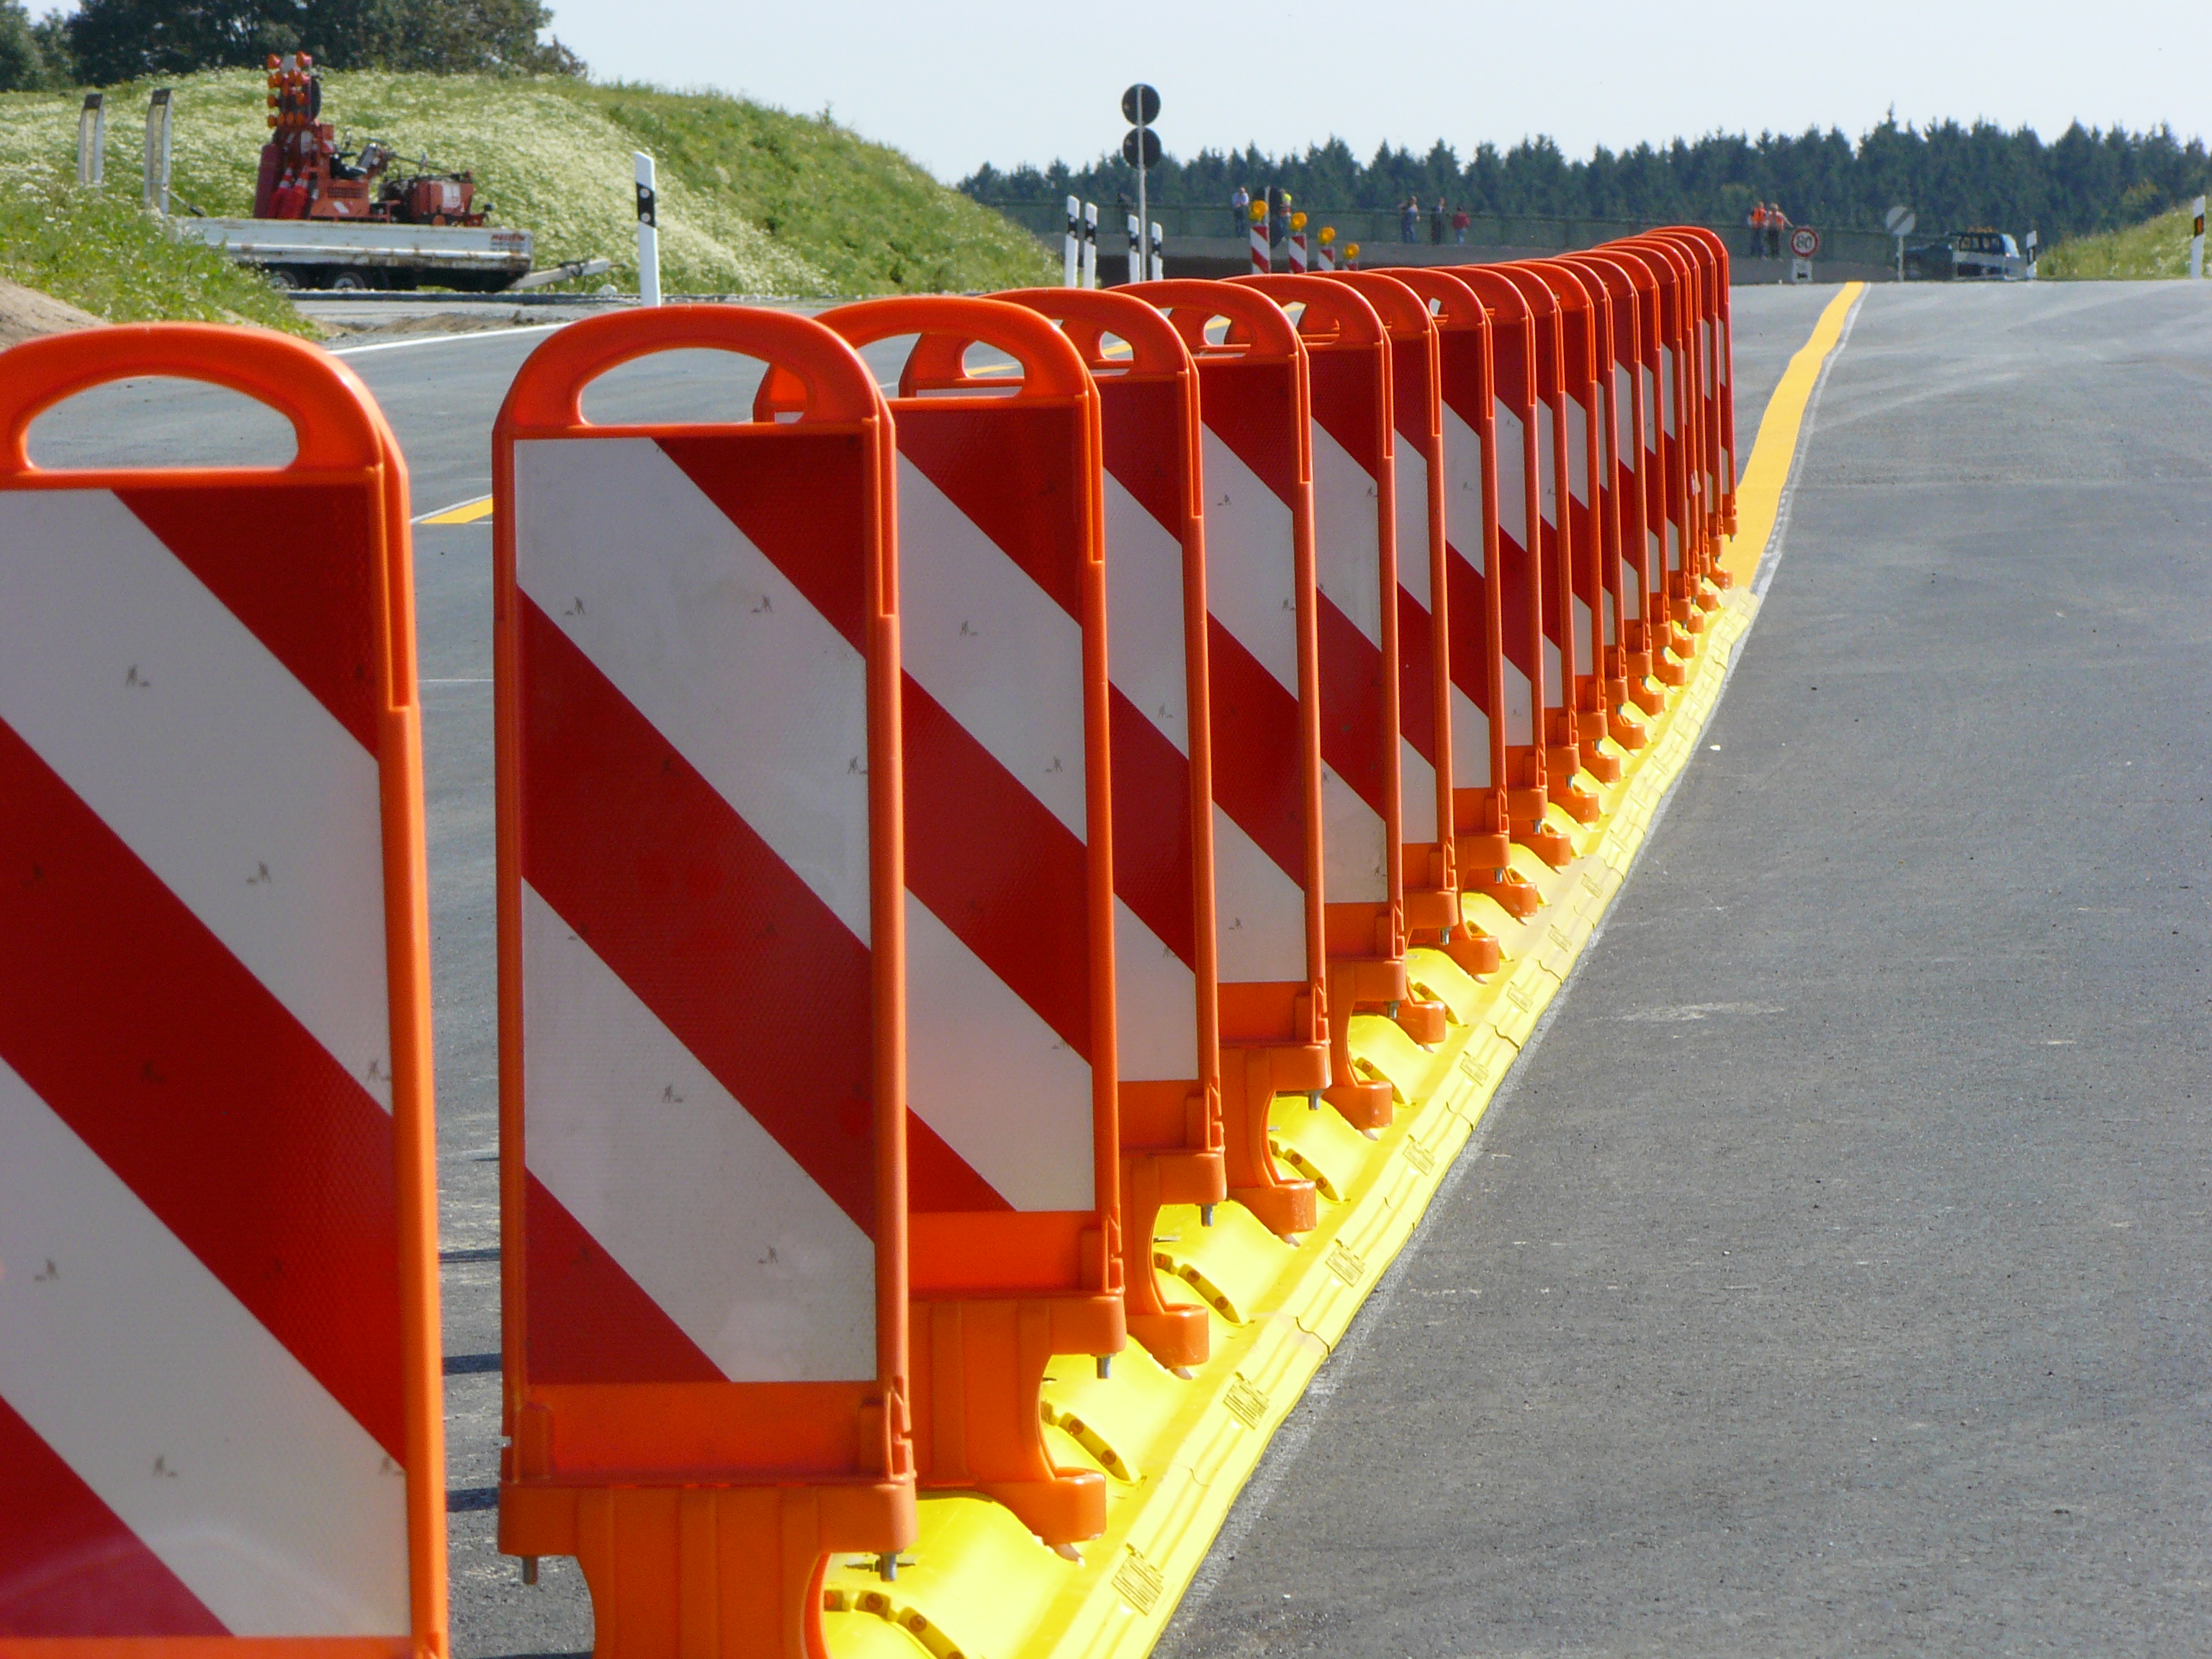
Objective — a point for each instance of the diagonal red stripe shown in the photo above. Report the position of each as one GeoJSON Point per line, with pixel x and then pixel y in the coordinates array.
{"type": "Point", "coordinates": [587, 1319]}
{"type": "Point", "coordinates": [1013, 471]}
{"type": "Point", "coordinates": [939, 1179]}
{"type": "Point", "coordinates": [1253, 408]}
{"type": "Point", "coordinates": [196, 1086]}
{"type": "Point", "coordinates": [1143, 440]}
{"type": "Point", "coordinates": [1466, 601]}
{"type": "Point", "coordinates": [997, 868]}
{"type": "Point", "coordinates": [1417, 667]}
{"type": "Point", "coordinates": [1259, 773]}
{"type": "Point", "coordinates": [1347, 403]}
{"type": "Point", "coordinates": [1151, 828]}
{"type": "Point", "coordinates": [798, 497]}
{"type": "Point", "coordinates": [689, 909]}
{"type": "Point", "coordinates": [69, 1567]}
{"type": "Point", "coordinates": [1355, 740]}
{"type": "Point", "coordinates": [291, 562]}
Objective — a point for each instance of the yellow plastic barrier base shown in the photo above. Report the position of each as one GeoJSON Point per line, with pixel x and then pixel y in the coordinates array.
{"type": "Point", "coordinates": [1176, 1452]}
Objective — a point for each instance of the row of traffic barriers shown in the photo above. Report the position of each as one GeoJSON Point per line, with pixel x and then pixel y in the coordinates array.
{"type": "Point", "coordinates": [1013, 886]}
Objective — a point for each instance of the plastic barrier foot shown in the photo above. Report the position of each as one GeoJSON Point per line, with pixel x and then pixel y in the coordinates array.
{"type": "Point", "coordinates": [1576, 802]}
{"type": "Point", "coordinates": [1623, 727]}
{"type": "Point", "coordinates": [1605, 768]}
{"type": "Point", "coordinates": [1355, 982]}
{"type": "Point", "coordinates": [1647, 696]}
{"type": "Point", "coordinates": [1430, 910]}
{"type": "Point", "coordinates": [977, 1369]}
{"type": "Point", "coordinates": [1251, 1077]}
{"type": "Point", "coordinates": [704, 1571]}
{"type": "Point", "coordinates": [1476, 952]}
{"type": "Point", "coordinates": [1173, 1333]}
{"type": "Point", "coordinates": [1424, 1022]}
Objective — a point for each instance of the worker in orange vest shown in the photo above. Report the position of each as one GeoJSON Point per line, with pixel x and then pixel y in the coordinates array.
{"type": "Point", "coordinates": [1757, 221]}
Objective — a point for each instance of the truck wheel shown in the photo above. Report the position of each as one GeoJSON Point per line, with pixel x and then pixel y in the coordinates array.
{"type": "Point", "coordinates": [281, 276]}
{"type": "Point", "coordinates": [350, 281]}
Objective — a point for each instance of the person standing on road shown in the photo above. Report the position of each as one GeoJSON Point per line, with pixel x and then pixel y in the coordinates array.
{"type": "Point", "coordinates": [1240, 210]}
{"type": "Point", "coordinates": [1437, 224]}
{"type": "Point", "coordinates": [1409, 220]}
{"type": "Point", "coordinates": [1460, 222]}
{"type": "Point", "coordinates": [1757, 220]}
{"type": "Point", "coordinates": [1776, 222]}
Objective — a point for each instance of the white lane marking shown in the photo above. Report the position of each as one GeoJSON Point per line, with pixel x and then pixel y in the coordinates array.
{"type": "Point", "coordinates": [1260, 913]}
{"type": "Point", "coordinates": [713, 644]}
{"type": "Point", "coordinates": [1251, 568]}
{"type": "Point", "coordinates": [218, 1450]}
{"type": "Point", "coordinates": [1155, 1005]}
{"type": "Point", "coordinates": [1470, 742]}
{"type": "Point", "coordinates": [1353, 847]}
{"type": "Point", "coordinates": [996, 650]}
{"type": "Point", "coordinates": [717, 1223]}
{"type": "Point", "coordinates": [218, 770]}
{"type": "Point", "coordinates": [1417, 780]}
{"type": "Point", "coordinates": [1144, 615]}
{"type": "Point", "coordinates": [1411, 490]}
{"type": "Point", "coordinates": [1348, 535]}
{"type": "Point", "coordinates": [992, 1079]}
{"type": "Point", "coordinates": [1463, 490]}
{"type": "Point", "coordinates": [450, 340]}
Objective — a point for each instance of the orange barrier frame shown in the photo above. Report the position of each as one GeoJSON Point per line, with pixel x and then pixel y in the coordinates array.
{"type": "Point", "coordinates": [998, 1292]}
{"type": "Point", "coordinates": [704, 1513]}
{"type": "Point", "coordinates": [342, 440]}
{"type": "Point", "coordinates": [1253, 378]}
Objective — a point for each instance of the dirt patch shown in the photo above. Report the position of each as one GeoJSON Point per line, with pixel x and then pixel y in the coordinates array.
{"type": "Point", "coordinates": [25, 314]}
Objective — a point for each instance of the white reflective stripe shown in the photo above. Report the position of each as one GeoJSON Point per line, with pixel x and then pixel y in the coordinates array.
{"type": "Point", "coordinates": [993, 648]}
{"type": "Point", "coordinates": [1584, 640]}
{"type": "Point", "coordinates": [1667, 377]}
{"type": "Point", "coordinates": [217, 768]}
{"type": "Point", "coordinates": [1347, 535]}
{"type": "Point", "coordinates": [1626, 450]}
{"type": "Point", "coordinates": [1612, 616]}
{"type": "Point", "coordinates": [1463, 490]}
{"type": "Point", "coordinates": [1520, 705]}
{"type": "Point", "coordinates": [1632, 591]}
{"type": "Point", "coordinates": [1354, 848]}
{"type": "Point", "coordinates": [1512, 435]}
{"type": "Point", "coordinates": [1155, 1005]}
{"type": "Point", "coordinates": [1259, 913]}
{"type": "Point", "coordinates": [1547, 466]}
{"type": "Point", "coordinates": [1650, 407]}
{"type": "Point", "coordinates": [1578, 437]}
{"type": "Point", "coordinates": [1555, 676]}
{"type": "Point", "coordinates": [219, 1450]}
{"type": "Point", "coordinates": [1417, 785]}
{"type": "Point", "coordinates": [1674, 545]}
{"type": "Point", "coordinates": [991, 1077]}
{"type": "Point", "coordinates": [1251, 562]}
{"type": "Point", "coordinates": [1470, 740]}
{"type": "Point", "coordinates": [1658, 556]}
{"type": "Point", "coordinates": [1410, 469]}
{"type": "Point", "coordinates": [1144, 615]}
{"type": "Point", "coordinates": [718, 1224]}
{"type": "Point", "coordinates": [709, 641]}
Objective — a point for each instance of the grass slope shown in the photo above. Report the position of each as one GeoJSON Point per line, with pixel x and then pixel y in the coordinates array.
{"type": "Point", "coordinates": [2156, 248]}
{"type": "Point", "coordinates": [752, 200]}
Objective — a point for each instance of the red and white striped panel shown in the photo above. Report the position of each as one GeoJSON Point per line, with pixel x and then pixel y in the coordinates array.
{"type": "Point", "coordinates": [1155, 944]}
{"type": "Point", "coordinates": [1417, 774]}
{"type": "Point", "coordinates": [1518, 578]}
{"type": "Point", "coordinates": [1355, 783]}
{"type": "Point", "coordinates": [692, 713]}
{"type": "Point", "coordinates": [1467, 571]}
{"type": "Point", "coordinates": [201, 1421]}
{"type": "Point", "coordinates": [999, 1048]}
{"type": "Point", "coordinates": [1249, 463]}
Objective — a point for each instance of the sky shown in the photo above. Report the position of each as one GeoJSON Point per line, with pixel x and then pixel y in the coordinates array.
{"type": "Point", "coordinates": [959, 82]}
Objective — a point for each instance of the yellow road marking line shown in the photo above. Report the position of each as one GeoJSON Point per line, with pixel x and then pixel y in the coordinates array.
{"type": "Point", "coordinates": [1759, 497]}
{"type": "Point", "coordinates": [467, 512]}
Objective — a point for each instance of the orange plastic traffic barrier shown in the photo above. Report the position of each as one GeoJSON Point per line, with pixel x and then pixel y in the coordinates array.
{"type": "Point", "coordinates": [1472, 620]}
{"type": "Point", "coordinates": [1010, 1007]}
{"type": "Point", "coordinates": [1719, 385]}
{"type": "Point", "coordinates": [1264, 698]}
{"type": "Point", "coordinates": [220, 1411]}
{"type": "Point", "coordinates": [1433, 911]}
{"type": "Point", "coordinates": [1167, 1041]}
{"type": "Point", "coordinates": [1522, 436]}
{"type": "Point", "coordinates": [1696, 419]}
{"type": "Point", "coordinates": [702, 1072]}
{"type": "Point", "coordinates": [1677, 523]}
{"type": "Point", "coordinates": [1355, 565]}
{"type": "Point", "coordinates": [1626, 657]}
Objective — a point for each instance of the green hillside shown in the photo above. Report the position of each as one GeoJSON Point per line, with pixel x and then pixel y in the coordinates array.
{"type": "Point", "coordinates": [2157, 247]}
{"type": "Point", "coordinates": [752, 200]}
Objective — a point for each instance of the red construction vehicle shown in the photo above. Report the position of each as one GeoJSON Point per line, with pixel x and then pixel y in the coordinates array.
{"type": "Point", "coordinates": [305, 175]}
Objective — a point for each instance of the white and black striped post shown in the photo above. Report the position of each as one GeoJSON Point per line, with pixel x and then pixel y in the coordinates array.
{"type": "Point", "coordinates": [158, 151]}
{"type": "Point", "coordinates": [2196, 243]}
{"type": "Point", "coordinates": [1136, 228]}
{"type": "Point", "coordinates": [1160, 254]}
{"type": "Point", "coordinates": [648, 233]}
{"type": "Point", "coordinates": [1071, 251]}
{"type": "Point", "coordinates": [1090, 244]}
{"type": "Point", "coordinates": [92, 139]}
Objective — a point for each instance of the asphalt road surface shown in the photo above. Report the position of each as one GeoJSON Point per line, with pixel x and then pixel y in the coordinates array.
{"type": "Point", "coordinates": [1830, 1277]}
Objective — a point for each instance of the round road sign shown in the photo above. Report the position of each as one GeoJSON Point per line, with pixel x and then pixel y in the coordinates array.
{"type": "Point", "coordinates": [1804, 241]}
{"type": "Point", "coordinates": [1900, 220]}
{"type": "Point", "coordinates": [1140, 147]}
{"type": "Point", "coordinates": [1141, 106]}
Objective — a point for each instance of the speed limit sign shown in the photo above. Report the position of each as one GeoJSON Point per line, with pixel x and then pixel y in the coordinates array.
{"type": "Point", "coordinates": [1804, 241]}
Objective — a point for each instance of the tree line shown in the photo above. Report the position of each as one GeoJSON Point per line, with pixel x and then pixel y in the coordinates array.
{"type": "Point", "coordinates": [1952, 175]}
{"type": "Point", "coordinates": [104, 42]}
